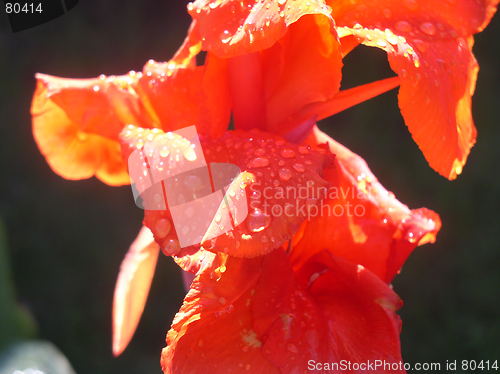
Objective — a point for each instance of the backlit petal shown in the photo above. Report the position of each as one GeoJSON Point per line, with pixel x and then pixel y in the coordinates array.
{"type": "Point", "coordinates": [429, 46]}
{"type": "Point", "coordinates": [230, 28]}
{"type": "Point", "coordinates": [132, 288]}
{"type": "Point", "coordinates": [76, 124]}
{"type": "Point", "coordinates": [178, 96]}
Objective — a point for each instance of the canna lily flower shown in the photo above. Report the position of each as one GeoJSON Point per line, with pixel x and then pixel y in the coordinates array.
{"type": "Point", "coordinates": [275, 67]}
{"type": "Point", "coordinates": [389, 222]}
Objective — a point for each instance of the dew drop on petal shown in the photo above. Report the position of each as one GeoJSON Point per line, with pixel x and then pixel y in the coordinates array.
{"type": "Point", "coordinates": [258, 162]}
{"type": "Point", "coordinates": [258, 221]}
{"type": "Point", "coordinates": [163, 227]}
{"type": "Point", "coordinates": [428, 28]}
{"type": "Point", "coordinates": [287, 153]}
{"type": "Point", "coordinates": [403, 26]}
{"type": "Point", "coordinates": [285, 174]}
{"type": "Point", "coordinates": [299, 167]}
{"type": "Point", "coordinates": [171, 247]}
{"type": "Point", "coordinates": [189, 154]}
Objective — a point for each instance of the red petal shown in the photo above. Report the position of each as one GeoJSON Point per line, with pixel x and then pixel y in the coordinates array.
{"type": "Point", "coordinates": [362, 221]}
{"type": "Point", "coordinates": [259, 315]}
{"type": "Point", "coordinates": [76, 124]}
{"type": "Point", "coordinates": [302, 69]}
{"type": "Point", "coordinates": [268, 166]}
{"type": "Point", "coordinates": [230, 28]}
{"type": "Point", "coordinates": [428, 47]}
{"type": "Point", "coordinates": [132, 288]}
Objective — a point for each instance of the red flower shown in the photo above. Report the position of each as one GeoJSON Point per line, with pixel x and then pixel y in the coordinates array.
{"type": "Point", "coordinates": [292, 287]}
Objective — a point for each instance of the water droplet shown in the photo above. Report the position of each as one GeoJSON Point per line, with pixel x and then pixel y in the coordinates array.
{"type": "Point", "coordinates": [411, 237]}
{"type": "Point", "coordinates": [292, 348]}
{"type": "Point", "coordinates": [260, 152]}
{"type": "Point", "coordinates": [258, 162]}
{"type": "Point", "coordinates": [258, 221]}
{"type": "Point", "coordinates": [287, 153]}
{"type": "Point", "coordinates": [171, 247]}
{"type": "Point", "coordinates": [285, 174]}
{"type": "Point", "coordinates": [189, 154]}
{"type": "Point", "coordinates": [411, 4]}
{"type": "Point", "coordinates": [164, 151]}
{"type": "Point", "coordinates": [163, 227]}
{"type": "Point", "coordinates": [303, 150]}
{"type": "Point", "coordinates": [299, 167]}
{"type": "Point", "coordinates": [428, 28]}
{"type": "Point", "coordinates": [403, 26]}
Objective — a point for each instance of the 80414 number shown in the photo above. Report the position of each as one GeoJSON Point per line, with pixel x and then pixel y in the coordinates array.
{"type": "Point", "coordinates": [19, 8]}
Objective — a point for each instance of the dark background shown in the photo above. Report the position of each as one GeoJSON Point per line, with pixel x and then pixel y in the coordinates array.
{"type": "Point", "coordinates": [66, 239]}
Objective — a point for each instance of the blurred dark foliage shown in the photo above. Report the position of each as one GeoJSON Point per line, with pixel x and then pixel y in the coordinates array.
{"type": "Point", "coordinates": [67, 239]}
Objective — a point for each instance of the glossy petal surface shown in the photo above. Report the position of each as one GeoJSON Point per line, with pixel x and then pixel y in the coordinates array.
{"type": "Point", "coordinates": [429, 46]}
{"type": "Point", "coordinates": [275, 178]}
{"type": "Point", "coordinates": [361, 221]}
{"type": "Point", "coordinates": [259, 315]}
{"type": "Point", "coordinates": [230, 28]}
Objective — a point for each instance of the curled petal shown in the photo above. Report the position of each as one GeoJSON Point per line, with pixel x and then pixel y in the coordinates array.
{"type": "Point", "coordinates": [230, 28]}
{"type": "Point", "coordinates": [76, 124]}
{"type": "Point", "coordinates": [429, 46]}
{"type": "Point", "coordinates": [361, 221]}
{"type": "Point", "coordinates": [230, 197]}
{"type": "Point", "coordinates": [132, 288]}
{"type": "Point", "coordinates": [465, 17]}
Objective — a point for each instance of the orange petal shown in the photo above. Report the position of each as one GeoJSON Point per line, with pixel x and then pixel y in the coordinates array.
{"type": "Point", "coordinates": [464, 16]}
{"type": "Point", "coordinates": [76, 124]}
{"type": "Point", "coordinates": [429, 47]}
{"type": "Point", "coordinates": [231, 28]}
{"type": "Point", "coordinates": [361, 221]}
{"type": "Point", "coordinates": [268, 166]}
{"type": "Point", "coordinates": [261, 316]}
{"type": "Point", "coordinates": [132, 288]}
{"type": "Point", "coordinates": [348, 98]}
{"type": "Point", "coordinates": [179, 97]}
